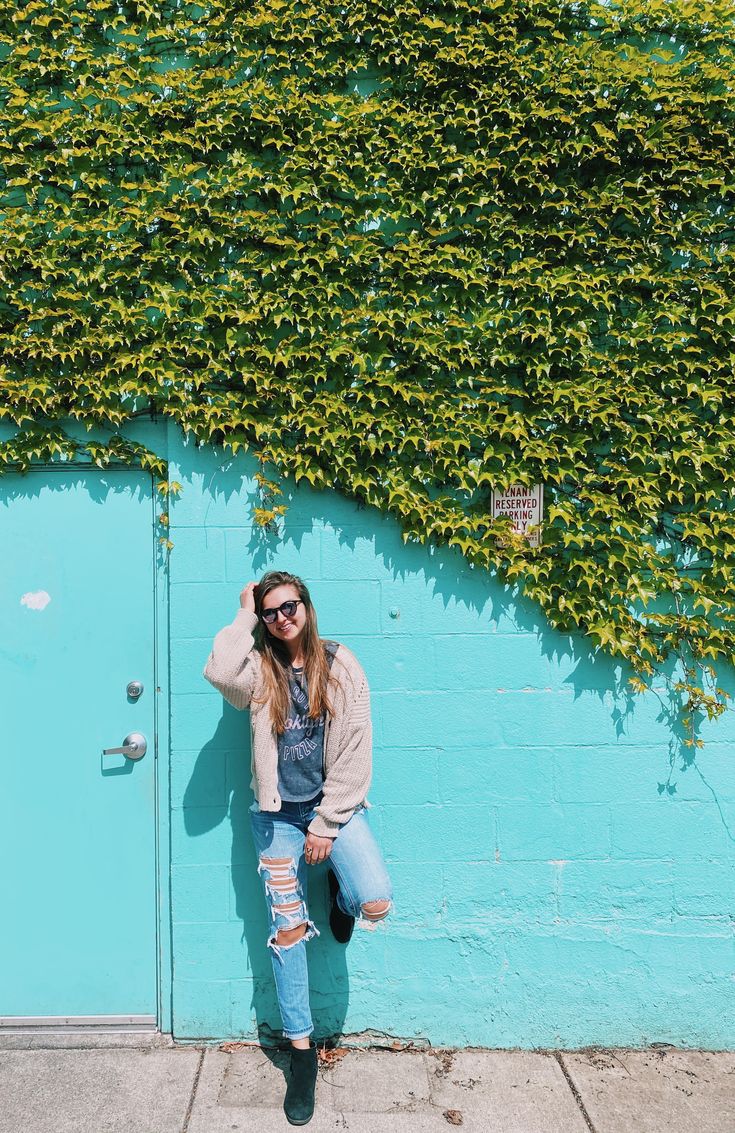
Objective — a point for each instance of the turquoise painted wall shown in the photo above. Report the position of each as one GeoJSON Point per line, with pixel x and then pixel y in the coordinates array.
{"type": "Point", "coordinates": [548, 891]}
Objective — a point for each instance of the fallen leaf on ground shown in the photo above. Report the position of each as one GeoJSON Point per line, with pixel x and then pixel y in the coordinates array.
{"type": "Point", "coordinates": [329, 1057]}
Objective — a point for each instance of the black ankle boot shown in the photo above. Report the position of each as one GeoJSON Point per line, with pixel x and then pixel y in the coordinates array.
{"type": "Point", "coordinates": [340, 923]}
{"type": "Point", "coordinates": [299, 1103]}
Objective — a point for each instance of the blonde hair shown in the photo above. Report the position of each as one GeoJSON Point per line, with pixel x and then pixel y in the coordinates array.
{"type": "Point", "coordinates": [276, 661]}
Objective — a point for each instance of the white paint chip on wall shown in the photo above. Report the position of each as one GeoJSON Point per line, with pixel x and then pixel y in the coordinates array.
{"type": "Point", "coordinates": [37, 600]}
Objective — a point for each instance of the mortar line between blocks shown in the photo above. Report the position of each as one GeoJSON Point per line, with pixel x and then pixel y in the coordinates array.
{"type": "Point", "coordinates": [575, 1092]}
{"type": "Point", "coordinates": [194, 1085]}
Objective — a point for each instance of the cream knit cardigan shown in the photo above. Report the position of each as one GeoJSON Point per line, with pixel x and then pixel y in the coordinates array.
{"type": "Point", "coordinates": [234, 667]}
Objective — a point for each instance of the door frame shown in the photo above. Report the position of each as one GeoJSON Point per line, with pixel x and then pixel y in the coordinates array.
{"type": "Point", "coordinates": [162, 803]}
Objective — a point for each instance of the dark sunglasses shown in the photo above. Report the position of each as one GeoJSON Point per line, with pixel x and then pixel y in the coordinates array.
{"type": "Point", "coordinates": [288, 609]}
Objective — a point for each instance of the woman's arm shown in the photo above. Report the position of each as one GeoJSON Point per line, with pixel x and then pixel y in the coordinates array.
{"type": "Point", "coordinates": [231, 667]}
{"type": "Point", "coordinates": [348, 778]}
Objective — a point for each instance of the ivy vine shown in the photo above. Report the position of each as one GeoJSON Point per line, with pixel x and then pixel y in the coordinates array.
{"type": "Point", "coordinates": [408, 251]}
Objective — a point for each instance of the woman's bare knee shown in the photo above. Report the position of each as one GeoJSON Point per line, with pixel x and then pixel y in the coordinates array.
{"type": "Point", "coordinates": [290, 935]}
{"type": "Point", "coordinates": [376, 910]}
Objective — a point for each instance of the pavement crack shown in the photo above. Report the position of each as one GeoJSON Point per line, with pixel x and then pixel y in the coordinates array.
{"type": "Point", "coordinates": [575, 1092]}
{"type": "Point", "coordinates": [195, 1083]}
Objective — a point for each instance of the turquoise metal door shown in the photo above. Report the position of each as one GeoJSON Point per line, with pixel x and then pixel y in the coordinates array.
{"type": "Point", "coordinates": [77, 828]}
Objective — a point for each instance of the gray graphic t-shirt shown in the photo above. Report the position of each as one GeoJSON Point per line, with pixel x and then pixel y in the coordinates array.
{"type": "Point", "coordinates": [301, 745]}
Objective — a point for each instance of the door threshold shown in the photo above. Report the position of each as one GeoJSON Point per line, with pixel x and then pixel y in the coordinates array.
{"type": "Point", "coordinates": [61, 1034]}
{"type": "Point", "coordinates": [73, 1024]}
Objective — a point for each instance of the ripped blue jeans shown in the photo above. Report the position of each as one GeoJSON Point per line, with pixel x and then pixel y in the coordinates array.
{"type": "Point", "coordinates": [356, 859]}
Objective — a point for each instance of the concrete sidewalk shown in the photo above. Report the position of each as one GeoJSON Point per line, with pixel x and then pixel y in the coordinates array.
{"type": "Point", "coordinates": [136, 1084]}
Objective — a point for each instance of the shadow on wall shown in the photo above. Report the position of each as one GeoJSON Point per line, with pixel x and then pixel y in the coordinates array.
{"type": "Point", "coordinates": [446, 576]}
{"type": "Point", "coordinates": [327, 959]}
{"type": "Point", "coordinates": [97, 483]}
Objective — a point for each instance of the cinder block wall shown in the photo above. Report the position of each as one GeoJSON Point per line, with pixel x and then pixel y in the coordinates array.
{"type": "Point", "coordinates": [549, 891]}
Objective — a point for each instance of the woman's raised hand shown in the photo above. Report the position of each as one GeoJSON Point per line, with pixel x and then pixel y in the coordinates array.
{"type": "Point", "coordinates": [247, 597]}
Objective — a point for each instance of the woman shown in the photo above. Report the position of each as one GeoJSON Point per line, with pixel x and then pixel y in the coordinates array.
{"type": "Point", "coordinates": [311, 760]}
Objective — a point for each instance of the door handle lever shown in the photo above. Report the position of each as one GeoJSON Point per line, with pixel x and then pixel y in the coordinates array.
{"type": "Point", "coordinates": [133, 747]}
